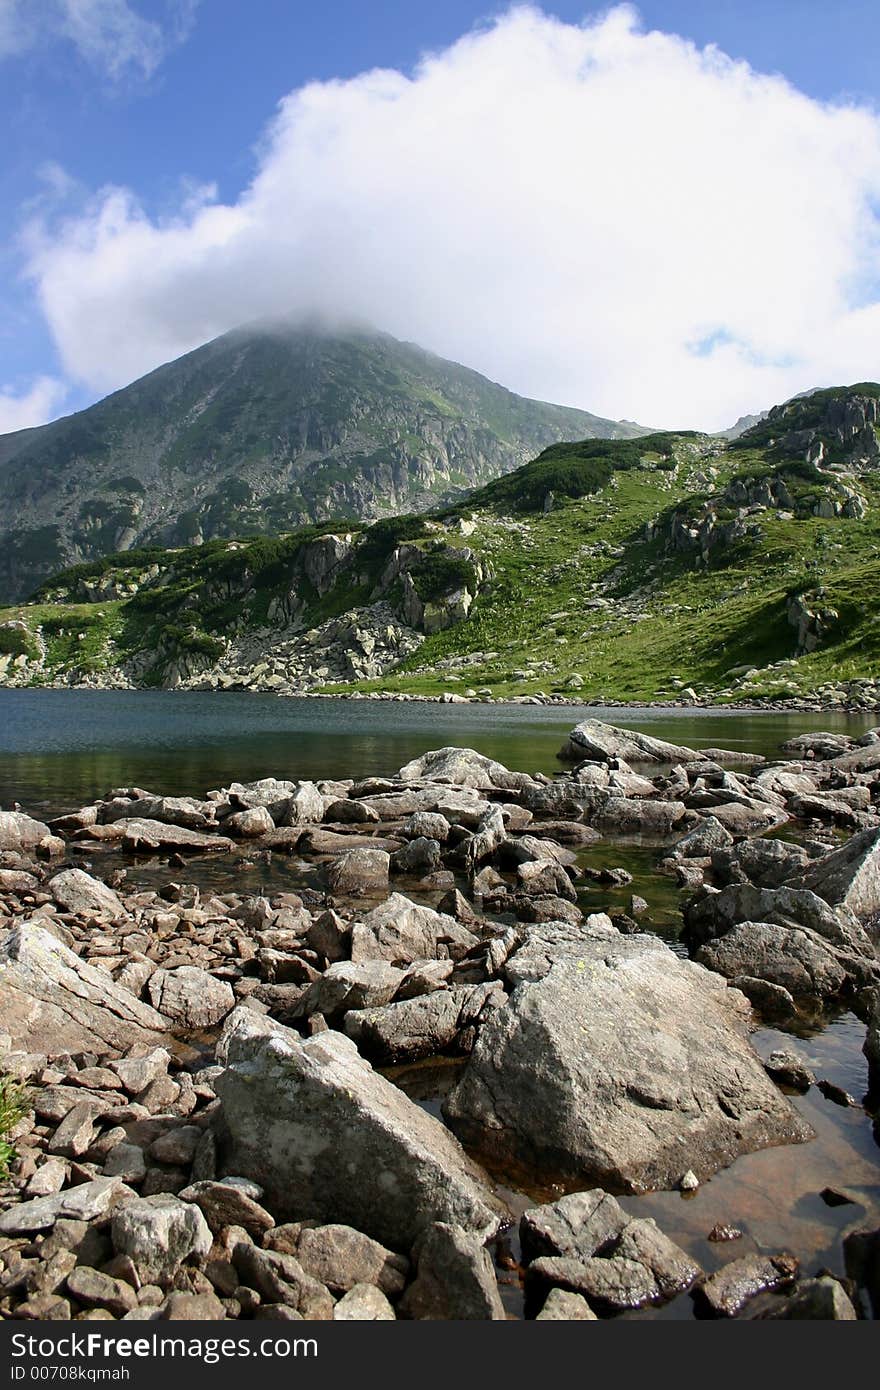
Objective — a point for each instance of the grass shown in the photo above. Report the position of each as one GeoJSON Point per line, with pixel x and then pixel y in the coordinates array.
{"type": "Point", "coordinates": [13, 1107]}
{"type": "Point", "coordinates": [591, 589]}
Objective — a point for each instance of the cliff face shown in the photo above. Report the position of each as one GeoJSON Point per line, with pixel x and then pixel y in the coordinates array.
{"type": "Point", "coordinates": [259, 432]}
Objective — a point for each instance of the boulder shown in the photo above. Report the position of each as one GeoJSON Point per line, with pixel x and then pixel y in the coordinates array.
{"type": "Point", "coordinates": [341, 1257]}
{"type": "Point", "coordinates": [616, 1062]}
{"type": "Point", "coordinates": [250, 824]}
{"type": "Point", "coordinates": [363, 1303]}
{"type": "Point", "coordinates": [190, 997]}
{"type": "Point", "coordinates": [78, 892]}
{"type": "Point", "coordinates": [350, 985]}
{"type": "Point", "coordinates": [158, 1234]}
{"type": "Point", "coordinates": [327, 1137]}
{"type": "Point", "coordinates": [575, 1227]}
{"type": "Point", "coordinates": [621, 816]}
{"type": "Point", "coordinates": [402, 931]}
{"type": "Point", "coordinates": [141, 836]}
{"type": "Point", "coordinates": [726, 1292]}
{"type": "Point", "coordinates": [707, 836]}
{"type": "Point", "coordinates": [75, 1204]}
{"type": "Point", "coordinates": [465, 768]}
{"type": "Point", "coordinates": [229, 1203]}
{"type": "Point", "coordinates": [20, 832]}
{"type": "Point", "coordinates": [420, 1027]}
{"type": "Point", "coordinates": [601, 742]}
{"type": "Point", "coordinates": [52, 999]}
{"type": "Point", "coordinates": [611, 1285]}
{"type": "Point", "coordinates": [359, 871]}
{"type": "Point", "coordinates": [562, 1306]}
{"type": "Point", "coordinates": [455, 1279]}
{"type": "Point", "coordinates": [765, 863]}
{"type": "Point", "coordinates": [848, 877]}
{"type": "Point", "coordinates": [798, 960]}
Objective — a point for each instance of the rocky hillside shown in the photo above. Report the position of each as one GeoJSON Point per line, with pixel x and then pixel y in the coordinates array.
{"type": "Point", "coordinates": [674, 566]}
{"type": "Point", "coordinates": [260, 431]}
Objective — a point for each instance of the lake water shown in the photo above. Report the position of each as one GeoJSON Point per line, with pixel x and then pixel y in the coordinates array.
{"type": "Point", "coordinates": [61, 749]}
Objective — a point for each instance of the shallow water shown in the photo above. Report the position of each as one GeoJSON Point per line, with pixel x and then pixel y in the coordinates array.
{"type": "Point", "coordinates": [60, 749]}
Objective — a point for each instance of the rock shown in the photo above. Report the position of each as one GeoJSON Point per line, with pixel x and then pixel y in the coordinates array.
{"type": "Point", "coordinates": [279, 1278]}
{"type": "Point", "coordinates": [269, 793]}
{"type": "Point", "coordinates": [92, 1289]}
{"type": "Point", "coordinates": [616, 1062]}
{"type": "Point", "coordinates": [48, 992]}
{"type": "Point", "coordinates": [190, 997]}
{"type": "Point", "coordinates": [363, 1303]}
{"type": "Point", "coordinates": [21, 833]}
{"type": "Point", "coordinates": [619, 816]}
{"type": "Point", "coordinates": [872, 1045]}
{"type": "Point", "coordinates": [787, 1069]}
{"type": "Point", "coordinates": [823, 1298]}
{"type": "Point", "coordinates": [330, 936]}
{"type": "Point", "coordinates": [342, 1258]}
{"type": "Point", "coordinates": [141, 836]}
{"type": "Point", "coordinates": [765, 863]}
{"type": "Point", "coordinates": [861, 1251]}
{"type": "Point", "coordinates": [729, 1289]}
{"type": "Point", "coordinates": [159, 1233]}
{"type": "Point", "coordinates": [402, 931]}
{"type": "Point", "coordinates": [796, 959]}
{"type": "Point", "coordinates": [420, 1027]}
{"type": "Point", "coordinates": [228, 1204]}
{"type": "Point", "coordinates": [429, 825]}
{"type": "Point", "coordinates": [418, 857]}
{"type": "Point", "coordinates": [455, 1278]}
{"type": "Point", "coordinates": [349, 985]}
{"type": "Point", "coordinates": [176, 1146]}
{"type": "Point", "coordinates": [609, 1285]}
{"type": "Point", "coordinates": [709, 915]}
{"type": "Point", "coordinates": [323, 1133]}
{"type": "Point", "coordinates": [359, 871]}
{"type": "Point", "coordinates": [576, 1226]}
{"type": "Point", "coordinates": [848, 877]}
{"type": "Point", "coordinates": [602, 742]}
{"type": "Point", "coordinates": [78, 892]}
{"type": "Point", "coordinates": [672, 1268]}
{"type": "Point", "coordinates": [707, 836]}
{"type": "Point", "coordinates": [465, 768]}
{"type": "Point", "coordinates": [688, 1182]}
{"type": "Point", "coordinates": [250, 824]}
{"type": "Point", "coordinates": [192, 1307]}
{"type": "Point", "coordinates": [126, 1161]}
{"type": "Point", "coordinates": [136, 1073]}
{"type": "Point", "coordinates": [562, 1306]}
{"type": "Point", "coordinates": [83, 1203]}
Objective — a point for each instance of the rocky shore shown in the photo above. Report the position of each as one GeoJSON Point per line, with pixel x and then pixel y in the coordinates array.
{"type": "Point", "coordinates": [210, 1124]}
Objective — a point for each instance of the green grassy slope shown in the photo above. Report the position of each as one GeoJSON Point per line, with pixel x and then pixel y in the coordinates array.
{"type": "Point", "coordinates": [618, 570]}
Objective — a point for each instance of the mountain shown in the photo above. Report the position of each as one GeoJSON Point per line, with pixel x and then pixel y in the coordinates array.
{"type": "Point", "coordinates": [606, 569]}
{"type": "Point", "coordinates": [262, 430]}
{"type": "Point", "coordinates": [745, 422]}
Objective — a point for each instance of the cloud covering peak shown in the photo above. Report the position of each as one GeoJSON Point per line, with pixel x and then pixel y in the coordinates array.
{"type": "Point", "coordinates": [595, 214]}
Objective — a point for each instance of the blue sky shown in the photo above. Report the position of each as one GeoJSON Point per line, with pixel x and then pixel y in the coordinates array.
{"type": "Point", "coordinates": [177, 95]}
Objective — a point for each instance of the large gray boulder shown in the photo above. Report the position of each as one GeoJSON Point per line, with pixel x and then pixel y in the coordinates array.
{"type": "Point", "coordinates": [455, 1279]}
{"type": "Point", "coordinates": [616, 1062]}
{"type": "Point", "coordinates": [328, 1138]}
{"type": "Point", "coordinates": [159, 1233]}
{"type": "Point", "coordinates": [421, 1027]}
{"type": "Point", "coordinates": [797, 960]}
{"type": "Point", "coordinates": [51, 1000]}
{"type": "Point", "coordinates": [848, 877]}
{"type": "Point", "coordinates": [191, 997]}
{"type": "Point", "coordinates": [143, 836]}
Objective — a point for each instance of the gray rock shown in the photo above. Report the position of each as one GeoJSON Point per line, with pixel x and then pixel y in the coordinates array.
{"type": "Point", "coordinates": [141, 836]}
{"type": "Point", "coordinates": [250, 824]}
{"type": "Point", "coordinates": [823, 1298]}
{"type": "Point", "coordinates": [20, 832]}
{"type": "Point", "coordinates": [228, 1204]}
{"type": "Point", "coordinates": [465, 768]}
{"type": "Point", "coordinates": [707, 836]}
{"type": "Point", "coordinates": [359, 871]}
{"type": "Point", "coordinates": [191, 997]}
{"type": "Point", "coordinates": [137, 1072]}
{"type": "Point", "coordinates": [621, 816]}
{"type": "Point", "coordinates": [49, 993]}
{"type": "Point", "coordinates": [610, 1285]}
{"type": "Point", "coordinates": [729, 1289]}
{"type": "Point", "coordinates": [323, 1133]}
{"type": "Point", "coordinates": [402, 931]}
{"type": "Point", "coordinates": [347, 985]}
{"type": "Point", "coordinates": [92, 1289]}
{"type": "Point", "coordinates": [788, 1069]}
{"type": "Point", "coordinates": [577, 1226]}
{"type": "Point", "coordinates": [673, 1269]}
{"type": "Point", "coordinates": [848, 877]}
{"type": "Point", "coordinates": [78, 892]}
{"type": "Point", "coordinates": [794, 958]}
{"type": "Point", "coordinates": [280, 1278]}
{"type": "Point", "coordinates": [341, 1258]}
{"type": "Point", "coordinates": [192, 1307]}
{"type": "Point", "coordinates": [455, 1278]}
{"type": "Point", "coordinates": [595, 739]}
{"type": "Point", "coordinates": [562, 1306]}
{"type": "Point", "coordinates": [418, 856]}
{"type": "Point", "coordinates": [765, 863]}
{"type": "Point", "coordinates": [158, 1234]}
{"type": "Point", "coordinates": [363, 1303]}
{"type": "Point", "coordinates": [420, 1027]}
{"type": "Point", "coordinates": [872, 1045]}
{"type": "Point", "coordinates": [616, 1062]}
{"type": "Point", "coordinates": [83, 1203]}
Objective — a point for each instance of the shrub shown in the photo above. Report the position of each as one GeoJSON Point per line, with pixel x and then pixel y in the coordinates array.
{"type": "Point", "coordinates": [13, 1106]}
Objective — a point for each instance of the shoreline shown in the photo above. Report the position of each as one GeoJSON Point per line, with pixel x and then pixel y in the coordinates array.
{"type": "Point", "coordinates": [782, 706]}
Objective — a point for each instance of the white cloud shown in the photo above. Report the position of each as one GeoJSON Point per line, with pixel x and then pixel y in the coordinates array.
{"type": "Point", "coordinates": [109, 35]}
{"type": "Point", "coordinates": [39, 403]}
{"type": "Point", "coordinates": [592, 214]}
